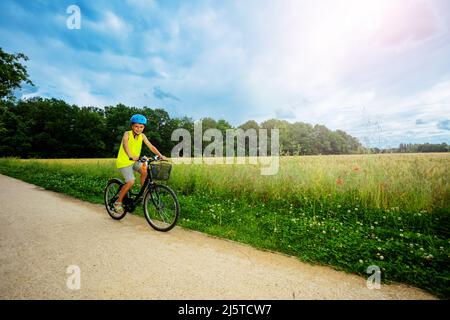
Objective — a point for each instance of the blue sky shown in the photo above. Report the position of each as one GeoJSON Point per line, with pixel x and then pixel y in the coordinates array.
{"type": "Point", "coordinates": [380, 70]}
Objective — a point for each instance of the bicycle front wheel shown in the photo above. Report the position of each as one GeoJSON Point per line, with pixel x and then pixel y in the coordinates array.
{"type": "Point", "coordinates": [161, 208]}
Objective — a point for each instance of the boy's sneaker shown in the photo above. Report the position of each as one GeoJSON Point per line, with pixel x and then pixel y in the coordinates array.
{"type": "Point", "coordinates": [118, 207]}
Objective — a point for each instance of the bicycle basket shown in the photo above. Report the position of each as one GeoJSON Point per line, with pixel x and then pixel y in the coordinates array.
{"type": "Point", "coordinates": [160, 170]}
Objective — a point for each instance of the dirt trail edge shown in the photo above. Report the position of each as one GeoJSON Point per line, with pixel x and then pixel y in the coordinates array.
{"type": "Point", "coordinates": [42, 233]}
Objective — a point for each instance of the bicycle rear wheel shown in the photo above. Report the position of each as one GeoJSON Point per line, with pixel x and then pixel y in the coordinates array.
{"type": "Point", "coordinates": [111, 195]}
{"type": "Point", "coordinates": [161, 208]}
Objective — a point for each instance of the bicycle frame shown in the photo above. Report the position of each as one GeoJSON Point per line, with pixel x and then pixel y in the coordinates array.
{"type": "Point", "coordinates": [135, 198]}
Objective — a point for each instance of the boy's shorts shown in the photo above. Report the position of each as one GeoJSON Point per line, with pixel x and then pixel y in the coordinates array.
{"type": "Point", "coordinates": [127, 172]}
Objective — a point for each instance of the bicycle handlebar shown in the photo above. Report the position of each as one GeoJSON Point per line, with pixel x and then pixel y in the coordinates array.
{"type": "Point", "coordinates": [150, 159]}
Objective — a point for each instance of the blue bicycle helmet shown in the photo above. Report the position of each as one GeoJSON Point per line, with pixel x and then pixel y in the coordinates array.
{"type": "Point", "coordinates": [138, 118]}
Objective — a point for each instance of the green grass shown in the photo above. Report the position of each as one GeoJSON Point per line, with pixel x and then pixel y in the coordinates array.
{"type": "Point", "coordinates": [348, 212]}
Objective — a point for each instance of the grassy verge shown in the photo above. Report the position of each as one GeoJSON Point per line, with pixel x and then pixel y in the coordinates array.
{"type": "Point", "coordinates": [344, 228]}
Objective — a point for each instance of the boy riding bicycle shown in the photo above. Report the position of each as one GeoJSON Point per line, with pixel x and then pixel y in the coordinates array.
{"type": "Point", "coordinates": [128, 156]}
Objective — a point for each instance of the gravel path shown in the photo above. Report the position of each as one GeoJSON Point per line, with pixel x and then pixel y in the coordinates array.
{"type": "Point", "coordinates": [43, 232]}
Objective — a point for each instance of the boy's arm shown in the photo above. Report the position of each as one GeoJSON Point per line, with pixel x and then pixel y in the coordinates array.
{"type": "Point", "coordinates": [152, 147]}
{"type": "Point", "coordinates": [125, 146]}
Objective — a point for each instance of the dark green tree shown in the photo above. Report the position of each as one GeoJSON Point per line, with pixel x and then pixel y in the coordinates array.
{"type": "Point", "coordinates": [12, 73]}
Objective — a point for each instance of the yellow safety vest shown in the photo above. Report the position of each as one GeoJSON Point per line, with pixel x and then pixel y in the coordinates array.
{"type": "Point", "coordinates": [134, 146]}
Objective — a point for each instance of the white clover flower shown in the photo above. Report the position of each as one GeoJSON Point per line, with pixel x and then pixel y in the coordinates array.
{"type": "Point", "coordinates": [381, 258]}
{"type": "Point", "coordinates": [361, 261]}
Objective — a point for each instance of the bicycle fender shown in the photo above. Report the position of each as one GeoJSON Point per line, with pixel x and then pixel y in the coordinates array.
{"type": "Point", "coordinates": [116, 180]}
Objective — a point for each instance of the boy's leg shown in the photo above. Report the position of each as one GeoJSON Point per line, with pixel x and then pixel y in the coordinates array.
{"type": "Point", "coordinates": [143, 177]}
{"type": "Point", "coordinates": [127, 186]}
{"type": "Point", "coordinates": [138, 167]}
{"type": "Point", "coordinates": [128, 174]}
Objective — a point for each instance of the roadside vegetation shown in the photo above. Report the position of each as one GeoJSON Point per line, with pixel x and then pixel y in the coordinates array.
{"type": "Point", "coordinates": [349, 212]}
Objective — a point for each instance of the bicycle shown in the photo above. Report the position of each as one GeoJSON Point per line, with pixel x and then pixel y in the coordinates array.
{"type": "Point", "coordinates": [161, 206]}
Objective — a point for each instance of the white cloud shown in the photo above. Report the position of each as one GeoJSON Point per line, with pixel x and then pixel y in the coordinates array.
{"type": "Point", "coordinates": [110, 24]}
{"type": "Point", "coordinates": [395, 119]}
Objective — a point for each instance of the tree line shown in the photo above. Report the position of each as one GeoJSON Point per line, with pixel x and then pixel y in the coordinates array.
{"type": "Point", "coordinates": [415, 148]}
{"type": "Point", "coordinates": [51, 128]}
